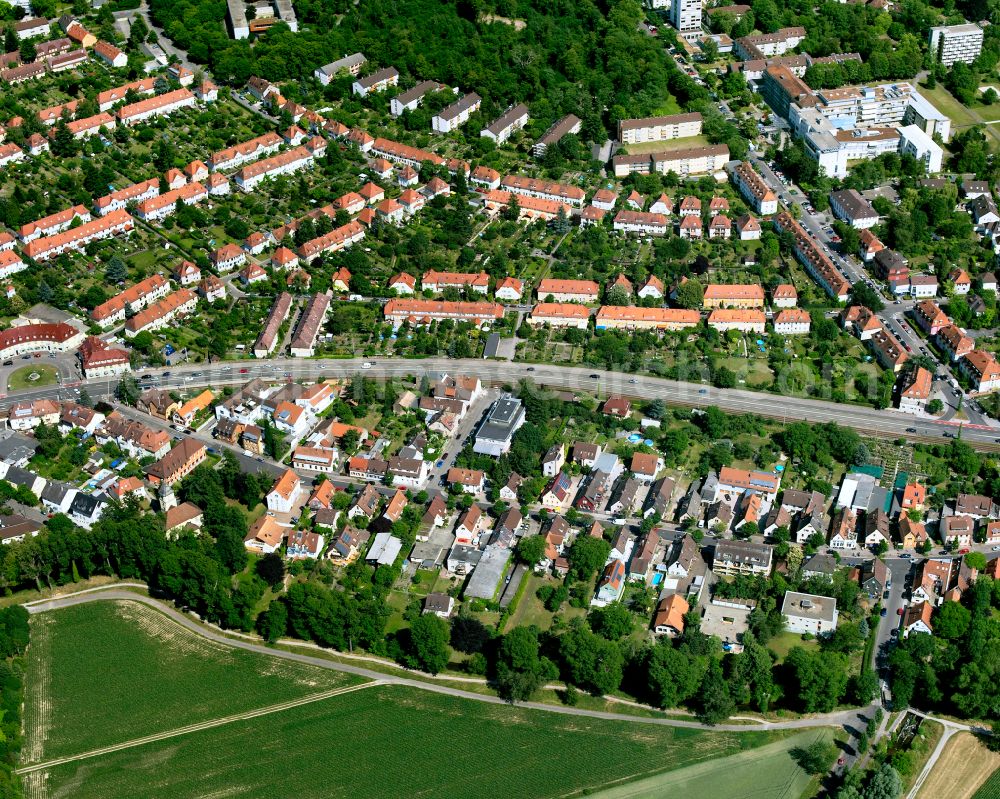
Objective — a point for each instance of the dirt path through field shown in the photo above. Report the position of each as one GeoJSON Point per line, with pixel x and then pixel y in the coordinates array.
{"type": "Point", "coordinates": [964, 765]}
{"type": "Point", "coordinates": [205, 725]}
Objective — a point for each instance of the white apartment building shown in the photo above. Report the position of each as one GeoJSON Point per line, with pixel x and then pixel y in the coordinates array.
{"type": "Point", "coordinates": [249, 177]}
{"type": "Point", "coordinates": [685, 16]}
{"type": "Point", "coordinates": [456, 114]}
{"type": "Point", "coordinates": [685, 162]}
{"type": "Point", "coordinates": [913, 141]}
{"type": "Point", "coordinates": [953, 43]}
{"type": "Point", "coordinates": [665, 128]}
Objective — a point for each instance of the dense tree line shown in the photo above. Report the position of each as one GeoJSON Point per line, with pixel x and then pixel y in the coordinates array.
{"type": "Point", "coordinates": [956, 670]}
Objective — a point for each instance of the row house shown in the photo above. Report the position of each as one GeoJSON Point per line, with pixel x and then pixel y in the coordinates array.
{"type": "Point", "coordinates": [683, 162]}
{"type": "Point", "coordinates": [744, 296]}
{"type": "Point", "coordinates": [423, 312]}
{"type": "Point", "coordinates": [560, 290]}
{"type": "Point", "coordinates": [485, 178]}
{"type": "Point", "coordinates": [163, 205]}
{"type": "Point", "coordinates": [161, 313]}
{"type": "Point", "coordinates": [861, 321]}
{"type": "Point", "coordinates": [559, 314]}
{"type": "Point", "coordinates": [99, 359]}
{"type": "Point", "coordinates": [792, 322]}
{"type": "Point", "coordinates": [619, 317]}
{"type": "Point", "coordinates": [436, 282]}
{"type": "Point", "coordinates": [641, 222]}
{"type": "Point", "coordinates": [335, 240]}
{"type": "Point", "coordinates": [544, 190]}
{"type": "Point", "coordinates": [746, 321]}
{"type": "Point", "coordinates": [10, 153]}
{"type": "Point", "coordinates": [303, 343]}
{"type": "Point", "coordinates": [52, 114]}
{"type": "Point", "coordinates": [285, 163]}
{"type": "Point", "coordinates": [89, 126]}
{"type": "Point", "coordinates": [410, 99]}
{"type": "Point", "coordinates": [135, 297]}
{"type": "Point", "coordinates": [118, 200]}
{"type": "Point", "coordinates": [662, 128]}
{"type": "Point", "coordinates": [404, 153]}
{"type": "Point", "coordinates": [456, 114]}
{"type": "Point", "coordinates": [52, 224]}
{"type": "Point", "coordinates": [784, 296]}
{"type": "Point", "coordinates": [915, 390]}
{"type": "Point", "coordinates": [110, 54]}
{"type": "Point", "coordinates": [178, 463]}
{"type": "Point", "coordinates": [245, 152]}
{"type": "Point", "coordinates": [106, 100]}
{"type": "Point", "coordinates": [377, 81]}
{"type": "Point", "coordinates": [816, 262]}
{"type": "Point", "coordinates": [512, 120]}
{"type": "Point", "coordinates": [77, 238]}
{"type": "Point", "coordinates": [565, 126]}
{"type": "Point", "coordinates": [983, 370]}
{"type": "Point", "coordinates": [889, 352]}
{"type": "Point", "coordinates": [10, 263]}
{"type": "Point", "coordinates": [268, 338]}
{"type": "Point", "coordinates": [44, 337]}
{"type": "Point", "coordinates": [929, 317]}
{"type": "Point", "coordinates": [134, 438]}
{"type": "Point", "coordinates": [753, 188]}
{"type": "Point", "coordinates": [954, 343]}
{"type": "Point", "coordinates": [869, 246]}
{"type": "Point", "coordinates": [528, 208]}
{"type": "Point", "coordinates": [160, 105]}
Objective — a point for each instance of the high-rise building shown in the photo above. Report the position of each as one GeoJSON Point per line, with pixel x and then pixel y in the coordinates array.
{"type": "Point", "coordinates": [953, 43]}
{"type": "Point", "coordinates": [685, 15]}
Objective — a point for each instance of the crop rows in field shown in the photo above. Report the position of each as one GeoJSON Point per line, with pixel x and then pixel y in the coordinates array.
{"type": "Point", "coordinates": [103, 673]}
{"type": "Point", "coordinates": [991, 788]}
{"type": "Point", "coordinates": [392, 741]}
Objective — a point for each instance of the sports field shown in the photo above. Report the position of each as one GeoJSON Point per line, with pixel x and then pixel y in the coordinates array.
{"type": "Point", "coordinates": [120, 672]}
{"type": "Point", "coordinates": [107, 672]}
{"type": "Point", "coordinates": [765, 773]}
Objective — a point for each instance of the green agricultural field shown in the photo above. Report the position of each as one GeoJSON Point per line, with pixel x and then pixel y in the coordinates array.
{"type": "Point", "coordinates": [386, 742]}
{"type": "Point", "coordinates": [108, 672]}
{"type": "Point", "coordinates": [989, 789]}
{"type": "Point", "coordinates": [765, 773]}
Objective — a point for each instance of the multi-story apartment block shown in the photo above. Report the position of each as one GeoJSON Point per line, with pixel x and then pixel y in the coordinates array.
{"type": "Point", "coordinates": [753, 188]}
{"type": "Point", "coordinates": [685, 162]}
{"type": "Point", "coordinates": [512, 120]}
{"type": "Point", "coordinates": [665, 128]}
{"type": "Point", "coordinates": [685, 16]}
{"type": "Point", "coordinates": [456, 114]}
{"type": "Point", "coordinates": [250, 176]}
{"type": "Point", "coordinates": [77, 238]}
{"type": "Point", "coordinates": [159, 105]}
{"type": "Point", "coordinates": [950, 44]}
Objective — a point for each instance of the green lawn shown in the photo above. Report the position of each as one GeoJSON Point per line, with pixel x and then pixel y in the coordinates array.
{"type": "Point", "coordinates": [781, 644]}
{"type": "Point", "coordinates": [22, 378]}
{"type": "Point", "coordinates": [765, 773]}
{"type": "Point", "coordinates": [104, 673]}
{"type": "Point", "coordinates": [390, 742]}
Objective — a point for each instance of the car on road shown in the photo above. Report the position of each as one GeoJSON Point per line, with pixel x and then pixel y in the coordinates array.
{"type": "Point", "coordinates": [439, 464]}
{"type": "Point", "coordinates": [632, 380]}
{"type": "Point", "coordinates": [906, 556]}
{"type": "Point", "coordinates": [8, 363]}
{"type": "Point", "coordinates": [530, 369]}
{"type": "Point", "coordinates": [165, 374]}
{"type": "Point", "coordinates": [963, 551]}
{"type": "Point", "coordinates": [911, 430]}
{"type": "Point", "coordinates": [703, 391]}
{"type": "Point", "coordinates": [595, 376]}
{"type": "Point", "coordinates": [885, 595]}
{"type": "Point", "coordinates": [895, 630]}
{"type": "Point", "coordinates": [899, 611]}
{"type": "Point", "coordinates": [366, 365]}
{"type": "Point", "coordinates": [144, 378]}
{"type": "Point", "coordinates": [244, 371]}
{"type": "Point", "coordinates": [884, 612]}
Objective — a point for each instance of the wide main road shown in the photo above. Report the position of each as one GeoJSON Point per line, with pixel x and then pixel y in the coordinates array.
{"type": "Point", "coordinates": [887, 423]}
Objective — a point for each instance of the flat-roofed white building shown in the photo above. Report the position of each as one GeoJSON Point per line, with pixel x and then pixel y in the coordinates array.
{"type": "Point", "coordinates": [950, 44]}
